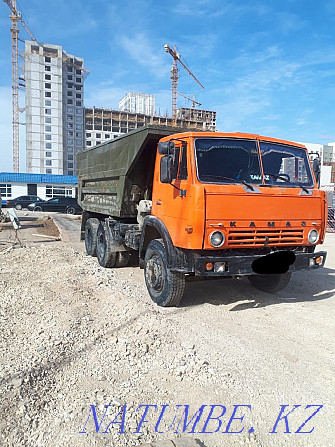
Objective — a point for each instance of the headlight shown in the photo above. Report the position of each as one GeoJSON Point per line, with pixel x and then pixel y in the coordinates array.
{"type": "Point", "coordinates": [217, 238]}
{"type": "Point", "coordinates": [313, 236]}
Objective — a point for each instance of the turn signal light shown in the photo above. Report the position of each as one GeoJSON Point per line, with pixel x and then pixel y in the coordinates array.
{"type": "Point", "coordinates": [209, 266]}
{"type": "Point", "coordinates": [316, 261]}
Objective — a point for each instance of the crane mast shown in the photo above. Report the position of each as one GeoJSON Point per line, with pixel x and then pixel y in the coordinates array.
{"type": "Point", "coordinates": [15, 17]}
{"type": "Point", "coordinates": [175, 76]}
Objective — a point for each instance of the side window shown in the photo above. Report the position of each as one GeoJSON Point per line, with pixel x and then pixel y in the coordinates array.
{"type": "Point", "coordinates": [175, 163]}
{"type": "Point", "coordinates": [183, 163]}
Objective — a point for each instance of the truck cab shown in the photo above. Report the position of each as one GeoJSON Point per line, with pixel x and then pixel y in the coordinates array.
{"type": "Point", "coordinates": [240, 205]}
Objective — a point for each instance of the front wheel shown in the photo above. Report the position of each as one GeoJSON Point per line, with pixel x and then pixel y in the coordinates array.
{"type": "Point", "coordinates": [165, 288]}
{"type": "Point", "coordinates": [37, 208]}
{"type": "Point", "coordinates": [270, 283]}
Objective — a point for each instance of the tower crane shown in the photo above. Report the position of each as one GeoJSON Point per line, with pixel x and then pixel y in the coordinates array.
{"type": "Point", "coordinates": [175, 76]}
{"type": "Point", "coordinates": [194, 102]}
{"type": "Point", "coordinates": [16, 17]}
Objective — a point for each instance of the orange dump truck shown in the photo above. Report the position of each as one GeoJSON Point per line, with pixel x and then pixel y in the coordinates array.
{"type": "Point", "coordinates": [201, 203]}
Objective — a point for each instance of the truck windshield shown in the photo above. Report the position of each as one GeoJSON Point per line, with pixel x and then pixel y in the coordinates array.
{"type": "Point", "coordinates": [285, 165]}
{"type": "Point", "coordinates": [221, 160]}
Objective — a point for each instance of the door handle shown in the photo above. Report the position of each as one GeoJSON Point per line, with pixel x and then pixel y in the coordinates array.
{"type": "Point", "coordinates": [158, 202]}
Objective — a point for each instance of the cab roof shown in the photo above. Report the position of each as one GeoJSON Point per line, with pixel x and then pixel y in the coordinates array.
{"type": "Point", "coordinates": [237, 135]}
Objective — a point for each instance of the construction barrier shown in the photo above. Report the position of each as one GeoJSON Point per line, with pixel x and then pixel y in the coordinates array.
{"type": "Point", "coordinates": [331, 220]}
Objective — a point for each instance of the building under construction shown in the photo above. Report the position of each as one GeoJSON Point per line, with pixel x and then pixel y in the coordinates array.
{"type": "Point", "coordinates": [104, 124]}
{"type": "Point", "coordinates": [54, 83]}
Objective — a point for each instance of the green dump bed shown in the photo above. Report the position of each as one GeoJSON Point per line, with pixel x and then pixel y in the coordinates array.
{"type": "Point", "coordinates": [114, 176]}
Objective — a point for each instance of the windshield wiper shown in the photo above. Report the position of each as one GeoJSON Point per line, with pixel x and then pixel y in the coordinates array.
{"type": "Point", "coordinates": [221, 177]}
{"type": "Point", "coordinates": [287, 179]}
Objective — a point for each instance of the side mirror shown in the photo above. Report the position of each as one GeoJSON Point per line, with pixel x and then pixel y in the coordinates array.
{"type": "Point", "coordinates": [166, 169]}
{"type": "Point", "coordinates": [316, 165]}
{"type": "Point", "coordinates": [165, 147]}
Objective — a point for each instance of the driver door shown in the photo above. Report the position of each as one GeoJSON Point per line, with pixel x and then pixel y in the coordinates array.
{"type": "Point", "coordinates": [170, 202]}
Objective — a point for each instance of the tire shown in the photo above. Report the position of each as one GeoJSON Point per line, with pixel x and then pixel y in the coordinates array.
{"type": "Point", "coordinates": [37, 208]}
{"type": "Point", "coordinates": [18, 206]}
{"type": "Point", "coordinates": [270, 283]}
{"type": "Point", "coordinates": [91, 229]}
{"type": "Point", "coordinates": [106, 257]}
{"type": "Point", "coordinates": [165, 288]}
{"type": "Point", "coordinates": [122, 259]}
{"type": "Point", "coordinates": [70, 210]}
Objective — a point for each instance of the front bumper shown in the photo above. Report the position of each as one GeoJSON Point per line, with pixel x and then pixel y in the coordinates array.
{"type": "Point", "coordinates": [242, 265]}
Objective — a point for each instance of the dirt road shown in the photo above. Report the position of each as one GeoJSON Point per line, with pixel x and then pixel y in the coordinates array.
{"type": "Point", "coordinates": [76, 338]}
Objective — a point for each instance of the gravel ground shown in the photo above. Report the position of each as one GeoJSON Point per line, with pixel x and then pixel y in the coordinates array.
{"type": "Point", "coordinates": [75, 335]}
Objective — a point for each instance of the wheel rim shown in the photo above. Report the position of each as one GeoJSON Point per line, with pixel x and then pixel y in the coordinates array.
{"type": "Point", "coordinates": [155, 273]}
{"type": "Point", "coordinates": [70, 211]}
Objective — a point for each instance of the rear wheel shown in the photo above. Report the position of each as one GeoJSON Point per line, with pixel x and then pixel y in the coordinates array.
{"type": "Point", "coordinates": [18, 206]}
{"type": "Point", "coordinates": [165, 288]}
{"type": "Point", "coordinates": [270, 283]}
{"type": "Point", "coordinates": [91, 229]}
{"type": "Point", "coordinates": [106, 257]}
{"type": "Point", "coordinates": [122, 259]}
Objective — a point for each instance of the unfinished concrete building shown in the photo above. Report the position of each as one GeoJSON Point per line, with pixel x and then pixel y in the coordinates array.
{"type": "Point", "coordinates": [54, 108]}
{"type": "Point", "coordinates": [205, 119]}
{"type": "Point", "coordinates": [104, 124]}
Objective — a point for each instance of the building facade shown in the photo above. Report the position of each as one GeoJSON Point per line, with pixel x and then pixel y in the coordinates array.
{"type": "Point", "coordinates": [138, 103]}
{"type": "Point", "coordinates": [45, 186]}
{"type": "Point", "coordinates": [199, 117]}
{"type": "Point", "coordinates": [104, 124]}
{"type": "Point", "coordinates": [54, 83]}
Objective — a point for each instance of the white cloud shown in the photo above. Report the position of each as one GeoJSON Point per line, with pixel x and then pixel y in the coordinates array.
{"type": "Point", "coordinates": [199, 46]}
{"type": "Point", "coordinates": [289, 22]}
{"type": "Point", "coordinates": [140, 49]}
{"type": "Point", "coordinates": [211, 9]}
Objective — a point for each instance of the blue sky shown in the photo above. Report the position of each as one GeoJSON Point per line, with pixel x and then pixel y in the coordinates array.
{"type": "Point", "coordinates": [268, 67]}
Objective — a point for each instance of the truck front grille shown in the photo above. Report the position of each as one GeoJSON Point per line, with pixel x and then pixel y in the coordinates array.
{"type": "Point", "coordinates": [261, 238]}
